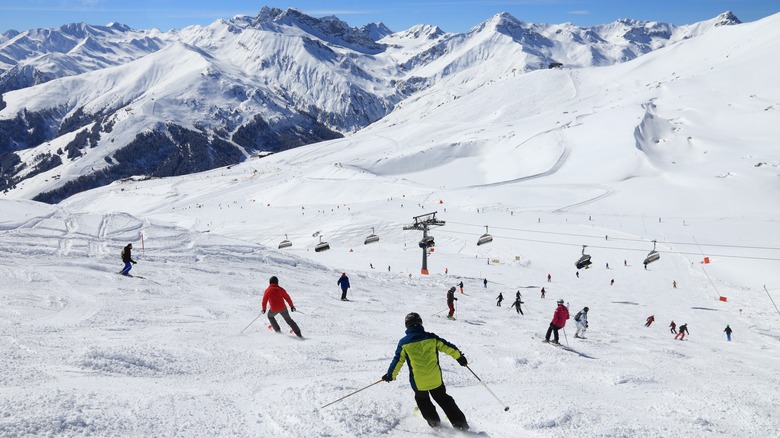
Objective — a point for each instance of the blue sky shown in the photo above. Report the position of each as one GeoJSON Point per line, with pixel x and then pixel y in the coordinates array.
{"type": "Point", "coordinates": [450, 15]}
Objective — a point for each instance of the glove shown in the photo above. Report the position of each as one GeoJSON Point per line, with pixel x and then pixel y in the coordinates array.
{"type": "Point", "coordinates": [455, 299]}
{"type": "Point", "coordinates": [263, 312]}
{"type": "Point", "coordinates": [462, 360]}
{"type": "Point", "coordinates": [135, 263]}
{"type": "Point", "coordinates": [387, 378]}
{"type": "Point", "coordinates": [586, 325]}
{"type": "Point", "coordinates": [292, 308]}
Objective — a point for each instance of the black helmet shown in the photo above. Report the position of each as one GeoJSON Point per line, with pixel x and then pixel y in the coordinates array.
{"type": "Point", "coordinates": [452, 289]}
{"type": "Point", "coordinates": [560, 302]}
{"type": "Point", "coordinates": [585, 309]}
{"type": "Point", "coordinates": [273, 280]}
{"type": "Point", "coordinates": [413, 319]}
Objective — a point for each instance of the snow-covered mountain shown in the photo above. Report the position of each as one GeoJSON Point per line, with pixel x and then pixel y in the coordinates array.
{"type": "Point", "coordinates": [90, 105]}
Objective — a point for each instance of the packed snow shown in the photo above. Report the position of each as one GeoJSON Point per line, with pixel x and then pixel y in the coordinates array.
{"type": "Point", "coordinates": [677, 147]}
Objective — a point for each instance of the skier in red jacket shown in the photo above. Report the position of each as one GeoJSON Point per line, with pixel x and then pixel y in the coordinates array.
{"type": "Point", "coordinates": [276, 296]}
{"type": "Point", "coordinates": [558, 322]}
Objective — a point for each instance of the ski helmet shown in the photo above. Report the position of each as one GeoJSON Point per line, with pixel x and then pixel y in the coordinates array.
{"type": "Point", "coordinates": [413, 319]}
{"type": "Point", "coordinates": [273, 280]}
{"type": "Point", "coordinates": [452, 289]}
{"type": "Point", "coordinates": [586, 309]}
{"type": "Point", "coordinates": [560, 301]}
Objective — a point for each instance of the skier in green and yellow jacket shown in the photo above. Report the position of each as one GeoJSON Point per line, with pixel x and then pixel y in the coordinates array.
{"type": "Point", "coordinates": [421, 350]}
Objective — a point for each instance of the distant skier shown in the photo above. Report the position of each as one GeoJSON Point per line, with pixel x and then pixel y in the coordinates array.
{"type": "Point", "coordinates": [484, 283]}
{"type": "Point", "coordinates": [127, 257]}
{"type": "Point", "coordinates": [275, 295]}
{"type": "Point", "coordinates": [673, 328]}
{"type": "Point", "coordinates": [451, 302]}
{"type": "Point", "coordinates": [577, 274]}
{"type": "Point", "coordinates": [558, 322]}
{"type": "Point", "coordinates": [612, 282]}
{"type": "Point", "coordinates": [650, 320]}
{"type": "Point", "coordinates": [388, 268]}
{"type": "Point", "coordinates": [625, 263]}
{"type": "Point", "coordinates": [461, 286]}
{"type": "Point", "coordinates": [727, 330]}
{"type": "Point", "coordinates": [607, 265]}
{"type": "Point", "coordinates": [344, 283]}
{"type": "Point", "coordinates": [420, 349]}
{"type": "Point", "coordinates": [683, 331]}
{"type": "Point", "coordinates": [517, 304]}
{"type": "Point", "coordinates": [582, 323]}
{"type": "Point", "coordinates": [518, 295]}
{"type": "Point", "coordinates": [674, 284]}
{"type": "Point", "coordinates": [500, 298]}
{"type": "Point", "coordinates": [549, 278]}
{"type": "Point", "coordinates": [543, 292]}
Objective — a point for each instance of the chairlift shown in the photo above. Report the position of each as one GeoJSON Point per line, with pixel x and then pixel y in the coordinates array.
{"type": "Point", "coordinates": [322, 246]}
{"type": "Point", "coordinates": [427, 242]}
{"type": "Point", "coordinates": [652, 256]}
{"type": "Point", "coordinates": [371, 238]}
{"type": "Point", "coordinates": [285, 243]}
{"type": "Point", "coordinates": [485, 238]}
{"type": "Point", "coordinates": [584, 261]}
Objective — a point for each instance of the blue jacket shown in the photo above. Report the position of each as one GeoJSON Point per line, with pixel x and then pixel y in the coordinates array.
{"type": "Point", "coordinates": [421, 350]}
{"type": "Point", "coordinates": [343, 282]}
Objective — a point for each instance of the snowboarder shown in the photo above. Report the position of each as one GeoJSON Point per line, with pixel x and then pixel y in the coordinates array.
{"type": "Point", "coordinates": [543, 292]}
{"type": "Point", "coordinates": [420, 349]}
{"type": "Point", "coordinates": [344, 283]}
{"type": "Point", "coordinates": [500, 298]}
{"type": "Point", "coordinates": [727, 330]}
{"type": "Point", "coordinates": [451, 302]}
{"type": "Point", "coordinates": [558, 322]}
{"type": "Point", "coordinates": [683, 331]}
{"type": "Point", "coordinates": [275, 295]}
{"type": "Point", "coordinates": [128, 259]}
{"type": "Point", "coordinates": [517, 304]}
{"type": "Point", "coordinates": [461, 286]}
{"type": "Point", "coordinates": [484, 283]}
{"type": "Point", "coordinates": [549, 278]}
{"type": "Point", "coordinates": [673, 328]}
{"type": "Point", "coordinates": [650, 320]}
{"type": "Point", "coordinates": [582, 323]}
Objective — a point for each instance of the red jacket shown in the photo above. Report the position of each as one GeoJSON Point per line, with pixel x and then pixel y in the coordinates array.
{"type": "Point", "coordinates": [560, 316]}
{"type": "Point", "coordinates": [277, 296]}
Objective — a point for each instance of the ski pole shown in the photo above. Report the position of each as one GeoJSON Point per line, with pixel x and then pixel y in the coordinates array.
{"type": "Point", "coordinates": [351, 394]}
{"type": "Point", "coordinates": [566, 337]}
{"type": "Point", "coordinates": [506, 408]}
{"type": "Point", "coordinates": [440, 311]}
{"type": "Point", "coordinates": [253, 321]}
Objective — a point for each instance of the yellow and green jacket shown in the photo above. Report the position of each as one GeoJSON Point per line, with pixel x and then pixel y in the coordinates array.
{"type": "Point", "coordinates": [421, 350]}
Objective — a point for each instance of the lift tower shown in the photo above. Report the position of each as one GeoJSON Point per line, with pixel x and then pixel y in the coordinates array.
{"type": "Point", "coordinates": [423, 223]}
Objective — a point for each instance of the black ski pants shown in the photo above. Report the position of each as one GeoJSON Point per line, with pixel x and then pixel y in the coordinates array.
{"type": "Point", "coordinates": [286, 315]}
{"type": "Point", "coordinates": [553, 329]}
{"type": "Point", "coordinates": [343, 294]}
{"type": "Point", "coordinates": [445, 401]}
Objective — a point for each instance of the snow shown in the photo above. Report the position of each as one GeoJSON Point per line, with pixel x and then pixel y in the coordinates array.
{"type": "Point", "coordinates": [549, 161]}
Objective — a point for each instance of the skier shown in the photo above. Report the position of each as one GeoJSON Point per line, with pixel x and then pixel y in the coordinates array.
{"type": "Point", "coordinates": [420, 349]}
{"type": "Point", "coordinates": [128, 259]}
{"type": "Point", "coordinates": [543, 292]}
{"type": "Point", "coordinates": [625, 263]}
{"type": "Point", "coordinates": [728, 332]}
{"type": "Point", "coordinates": [577, 274]}
{"type": "Point", "coordinates": [582, 323]}
{"type": "Point", "coordinates": [674, 284]}
{"type": "Point", "coordinates": [344, 283]}
{"type": "Point", "coordinates": [517, 304]}
{"type": "Point", "coordinates": [549, 278]}
{"type": "Point", "coordinates": [275, 295]}
{"type": "Point", "coordinates": [607, 265]}
{"type": "Point", "coordinates": [650, 320]}
{"type": "Point", "coordinates": [683, 332]}
{"type": "Point", "coordinates": [558, 322]}
{"type": "Point", "coordinates": [612, 282]}
{"type": "Point", "coordinates": [500, 298]}
{"type": "Point", "coordinates": [518, 295]}
{"type": "Point", "coordinates": [673, 328]}
{"type": "Point", "coordinates": [461, 286]}
{"type": "Point", "coordinates": [484, 283]}
{"type": "Point", "coordinates": [451, 302]}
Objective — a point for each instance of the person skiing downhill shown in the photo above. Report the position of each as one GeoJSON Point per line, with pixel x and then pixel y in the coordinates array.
{"type": "Point", "coordinates": [484, 283]}
{"type": "Point", "coordinates": [420, 349]}
{"type": "Point", "coordinates": [517, 304]}
{"type": "Point", "coordinates": [558, 322]}
{"type": "Point", "coordinates": [461, 286]}
{"type": "Point", "coordinates": [344, 283]}
{"type": "Point", "coordinates": [451, 302]}
{"type": "Point", "coordinates": [582, 322]}
{"type": "Point", "coordinates": [499, 299]}
{"type": "Point", "coordinates": [650, 320]}
{"type": "Point", "coordinates": [727, 330]}
{"type": "Point", "coordinates": [543, 292]}
{"type": "Point", "coordinates": [549, 278]}
{"type": "Point", "coordinates": [673, 328]}
{"type": "Point", "coordinates": [127, 258]}
{"type": "Point", "coordinates": [682, 332]}
{"type": "Point", "coordinates": [275, 295]}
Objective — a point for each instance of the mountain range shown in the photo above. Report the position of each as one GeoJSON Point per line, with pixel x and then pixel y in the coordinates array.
{"type": "Point", "coordinates": [83, 106]}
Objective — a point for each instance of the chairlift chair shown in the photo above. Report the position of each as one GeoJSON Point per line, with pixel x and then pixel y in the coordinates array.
{"type": "Point", "coordinates": [427, 242]}
{"type": "Point", "coordinates": [485, 238]}
{"type": "Point", "coordinates": [652, 256]}
{"type": "Point", "coordinates": [322, 246]}
{"type": "Point", "coordinates": [285, 243]}
{"type": "Point", "coordinates": [371, 238]}
{"type": "Point", "coordinates": [584, 261]}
